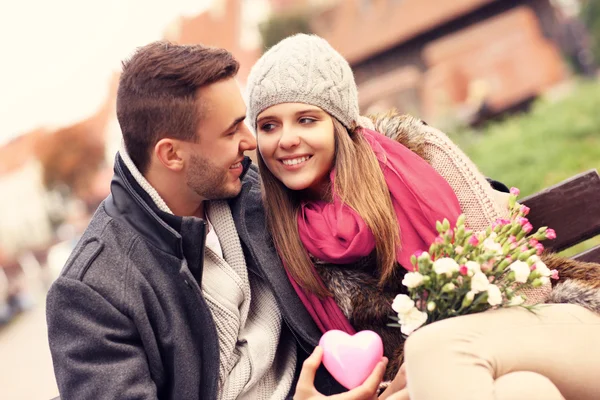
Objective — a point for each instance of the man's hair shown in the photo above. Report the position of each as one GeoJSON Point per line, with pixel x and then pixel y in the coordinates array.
{"type": "Point", "coordinates": [157, 93]}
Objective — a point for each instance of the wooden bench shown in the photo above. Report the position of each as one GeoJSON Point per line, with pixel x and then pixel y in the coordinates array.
{"type": "Point", "coordinates": [572, 209]}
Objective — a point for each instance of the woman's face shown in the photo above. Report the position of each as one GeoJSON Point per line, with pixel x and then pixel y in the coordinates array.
{"type": "Point", "coordinates": [296, 142]}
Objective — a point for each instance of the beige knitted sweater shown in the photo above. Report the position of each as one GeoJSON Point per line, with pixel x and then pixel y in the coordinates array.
{"type": "Point", "coordinates": [481, 204]}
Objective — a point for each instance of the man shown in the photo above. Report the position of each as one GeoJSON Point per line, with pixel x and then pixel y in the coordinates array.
{"type": "Point", "coordinates": [175, 290]}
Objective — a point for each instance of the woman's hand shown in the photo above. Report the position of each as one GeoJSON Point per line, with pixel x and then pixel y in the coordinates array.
{"type": "Point", "coordinates": [305, 390]}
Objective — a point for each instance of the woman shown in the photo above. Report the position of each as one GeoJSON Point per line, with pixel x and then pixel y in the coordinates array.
{"type": "Point", "coordinates": [346, 205]}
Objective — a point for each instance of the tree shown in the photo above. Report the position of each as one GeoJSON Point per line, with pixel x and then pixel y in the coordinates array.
{"type": "Point", "coordinates": [71, 157]}
{"type": "Point", "coordinates": [590, 15]}
{"type": "Point", "coordinates": [279, 26]}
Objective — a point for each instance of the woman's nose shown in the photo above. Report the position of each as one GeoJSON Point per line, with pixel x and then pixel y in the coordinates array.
{"type": "Point", "coordinates": [289, 138]}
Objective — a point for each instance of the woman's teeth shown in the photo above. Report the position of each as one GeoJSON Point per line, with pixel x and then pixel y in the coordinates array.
{"type": "Point", "coordinates": [294, 161]}
{"type": "Point", "coordinates": [236, 165]}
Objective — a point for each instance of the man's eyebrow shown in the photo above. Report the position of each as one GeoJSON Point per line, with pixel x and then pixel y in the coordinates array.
{"type": "Point", "coordinates": [235, 123]}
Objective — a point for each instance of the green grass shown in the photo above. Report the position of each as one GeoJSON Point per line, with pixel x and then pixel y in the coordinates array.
{"type": "Point", "coordinates": [552, 142]}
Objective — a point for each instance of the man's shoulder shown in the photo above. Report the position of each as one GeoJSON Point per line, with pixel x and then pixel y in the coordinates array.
{"type": "Point", "coordinates": [102, 253]}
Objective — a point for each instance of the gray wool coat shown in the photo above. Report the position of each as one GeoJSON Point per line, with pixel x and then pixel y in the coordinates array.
{"type": "Point", "coordinates": [126, 317]}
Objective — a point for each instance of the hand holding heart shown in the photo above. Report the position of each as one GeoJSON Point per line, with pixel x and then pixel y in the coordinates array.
{"type": "Point", "coordinates": [351, 359]}
{"type": "Point", "coordinates": [305, 388]}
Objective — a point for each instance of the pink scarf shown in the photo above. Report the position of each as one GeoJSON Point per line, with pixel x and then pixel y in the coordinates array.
{"type": "Point", "coordinates": [334, 233]}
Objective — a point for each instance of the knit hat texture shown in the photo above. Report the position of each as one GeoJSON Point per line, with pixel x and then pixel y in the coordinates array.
{"type": "Point", "coordinates": [303, 69]}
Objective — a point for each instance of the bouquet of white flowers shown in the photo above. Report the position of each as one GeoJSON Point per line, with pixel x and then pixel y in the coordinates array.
{"type": "Point", "coordinates": [465, 272]}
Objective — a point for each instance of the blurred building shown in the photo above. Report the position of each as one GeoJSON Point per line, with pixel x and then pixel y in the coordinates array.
{"type": "Point", "coordinates": [439, 57]}
{"type": "Point", "coordinates": [428, 57]}
{"type": "Point", "coordinates": [27, 209]}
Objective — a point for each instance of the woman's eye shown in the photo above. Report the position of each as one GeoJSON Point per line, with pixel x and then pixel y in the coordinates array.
{"type": "Point", "coordinates": [267, 127]}
{"type": "Point", "coordinates": [307, 120]}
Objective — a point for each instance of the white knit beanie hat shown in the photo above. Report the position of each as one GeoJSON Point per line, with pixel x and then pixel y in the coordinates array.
{"type": "Point", "coordinates": [303, 69]}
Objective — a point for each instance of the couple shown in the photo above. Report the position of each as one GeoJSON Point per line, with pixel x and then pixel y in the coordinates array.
{"type": "Point", "coordinates": [198, 278]}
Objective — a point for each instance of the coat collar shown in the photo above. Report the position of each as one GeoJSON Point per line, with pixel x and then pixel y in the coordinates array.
{"type": "Point", "coordinates": [129, 202]}
{"type": "Point", "coordinates": [263, 259]}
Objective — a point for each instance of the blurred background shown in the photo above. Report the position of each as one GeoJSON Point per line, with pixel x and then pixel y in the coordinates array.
{"type": "Point", "coordinates": [515, 83]}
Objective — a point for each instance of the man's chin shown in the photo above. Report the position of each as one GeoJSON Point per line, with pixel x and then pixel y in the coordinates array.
{"type": "Point", "coordinates": [232, 190]}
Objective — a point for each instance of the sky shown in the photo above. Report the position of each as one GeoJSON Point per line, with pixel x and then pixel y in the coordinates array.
{"type": "Point", "coordinates": [57, 56]}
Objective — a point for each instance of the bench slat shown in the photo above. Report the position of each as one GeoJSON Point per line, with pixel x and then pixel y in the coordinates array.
{"type": "Point", "coordinates": [571, 208]}
{"type": "Point", "coordinates": [591, 255]}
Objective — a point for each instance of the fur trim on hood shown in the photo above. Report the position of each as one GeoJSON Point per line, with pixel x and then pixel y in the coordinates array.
{"type": "Point", "coordinates": [579, 282]}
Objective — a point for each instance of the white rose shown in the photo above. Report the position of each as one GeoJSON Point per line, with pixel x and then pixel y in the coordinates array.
{"type": "Point", "coordinates": [516, 301]}
{"type": "Point", "coordinates": [470, 295]}
{"type": "Point", "coordinates": [402, 304]}
{"type": "Point", "coordinates": [494, 295]}
{"type": "Point", "coordinates": [412, 280]}
{"type": "Point", "coordinates": [445, 265]}
{"type": "Point", "coordinates": [521, 270]}
{"type": "Point", "coordinates": [542, 268]}
{"type": "Point", "coordinates": [491, 246]}
{"type": "Point", "coordinates": [472, 267]}
{"type": "Point", "coordinates": [412, 320]}
{"type": "Point", "coordinates": [479, 282]}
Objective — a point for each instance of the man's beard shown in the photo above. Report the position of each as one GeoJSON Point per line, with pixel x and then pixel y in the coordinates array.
{"type": "Point", "coordinates": [208, 180]}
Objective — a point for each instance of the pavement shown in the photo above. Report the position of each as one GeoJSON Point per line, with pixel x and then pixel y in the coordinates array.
{"type": "Point", "coordinates": [25, 363]}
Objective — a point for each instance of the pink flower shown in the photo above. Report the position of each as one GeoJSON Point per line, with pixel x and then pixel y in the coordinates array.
{"type": "Point", "coordinates": [533, 267]}
{"type": "Point", "coordinates": [438, 240]}
{"type": "Point", "coordinates": [488, 265]}
{"type": "Point", "coordinates": [515, 191]}
{"type": "Point", "coordinates": [524, 248]}
{"type": "Point", "coordinates": [533, 242]}
{"type": "Point", "coordinates": [463, 270]}
{"type": "Point", "coordinates": [527, 227]}
{"type": "Point", "coordinates": [539, 248]}
{"type": "Point", "coordinates": [554, 274]}
{"type": "Point", "coordinates": [550, 233]}
{"type": "Point", "coordinates": [418, 253]}
{"type": "Point", "coordinates": [501, 222]}
{"type": "Point", "coordinates": [473, 241]}
{"type": "Point", "coordinates": [525, 210]}
{"type": "Point", "coordinates": [522, 221]}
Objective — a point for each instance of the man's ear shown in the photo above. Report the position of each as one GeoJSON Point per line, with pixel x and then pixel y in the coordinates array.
{"type": "Point", "coordinates": [170, 154]}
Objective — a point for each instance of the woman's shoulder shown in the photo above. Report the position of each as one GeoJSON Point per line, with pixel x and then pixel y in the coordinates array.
{"type": "Point", "coordinates": [405, 129]}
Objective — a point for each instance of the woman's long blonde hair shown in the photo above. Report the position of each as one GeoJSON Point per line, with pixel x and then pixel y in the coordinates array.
{"type": "Point", "coordinates": [359, 183]}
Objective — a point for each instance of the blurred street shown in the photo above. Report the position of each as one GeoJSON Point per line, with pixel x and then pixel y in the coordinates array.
{"type": "Point", "coordinates": [26, 368]}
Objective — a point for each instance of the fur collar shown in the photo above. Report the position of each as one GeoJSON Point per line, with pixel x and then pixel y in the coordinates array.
{"type": "Point", "coordinates": [579, 281]}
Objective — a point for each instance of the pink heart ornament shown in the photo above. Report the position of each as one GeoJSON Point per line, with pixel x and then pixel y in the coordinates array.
{"type": "Point", "coordinates": [351, 359]}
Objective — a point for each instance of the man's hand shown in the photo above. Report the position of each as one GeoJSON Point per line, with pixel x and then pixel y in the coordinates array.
{"type": "Point", "coordinates": [305, 390]}
{"type": "Point", "coordinates": [398, 385]}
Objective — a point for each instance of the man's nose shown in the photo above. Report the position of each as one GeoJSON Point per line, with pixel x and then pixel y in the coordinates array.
{"type": "Point", "coordinates": [248, 141]}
